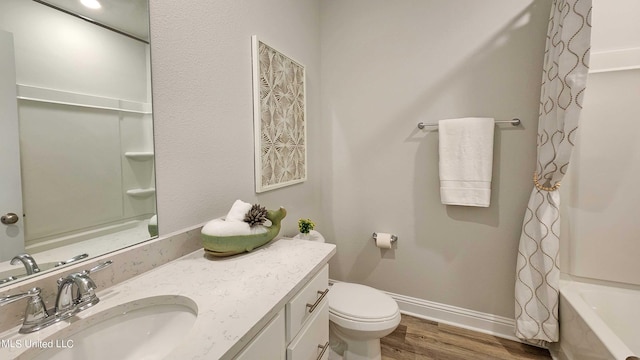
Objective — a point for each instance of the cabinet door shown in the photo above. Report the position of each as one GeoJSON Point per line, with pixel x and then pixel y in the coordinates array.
{"type": "Point", "coordinates": [312, 342]}
{"type": "Point", "coordinates": [268, 344]}
{"type": "Point", "coordinates": [302, 307]}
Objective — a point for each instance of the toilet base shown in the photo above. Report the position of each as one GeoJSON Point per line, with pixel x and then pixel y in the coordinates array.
{"type": "Point", "coordinates": [353, 349]}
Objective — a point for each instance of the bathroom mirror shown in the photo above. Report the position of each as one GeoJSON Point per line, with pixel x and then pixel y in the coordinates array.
{"type": "Point", "coordinates": [76, 132]}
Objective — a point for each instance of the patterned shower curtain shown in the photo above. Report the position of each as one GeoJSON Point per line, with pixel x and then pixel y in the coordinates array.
{"type": "Point", "coordinates": [566, 64]}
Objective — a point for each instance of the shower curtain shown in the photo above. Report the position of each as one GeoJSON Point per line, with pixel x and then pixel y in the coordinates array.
{"type": "Point", "coordinates": [563, 84]}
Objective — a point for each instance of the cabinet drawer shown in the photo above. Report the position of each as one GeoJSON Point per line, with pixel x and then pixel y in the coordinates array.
{"type": "Point", "coordinates": [268, 344]}
{"type": "Point", "coordinates": [301, 307]}
{"type": "Point", "coordinates": [312, 343]}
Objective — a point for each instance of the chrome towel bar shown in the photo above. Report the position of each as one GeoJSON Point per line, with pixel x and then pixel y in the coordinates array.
{"type": "Point", "coordinates": [514, 122]}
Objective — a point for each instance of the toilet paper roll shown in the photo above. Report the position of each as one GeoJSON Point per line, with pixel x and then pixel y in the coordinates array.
{"type": "Point", "coordinates": [383, 240]}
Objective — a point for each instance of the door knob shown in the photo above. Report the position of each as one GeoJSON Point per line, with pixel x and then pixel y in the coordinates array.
{"type": "Point", "coordinates": [9, 218]}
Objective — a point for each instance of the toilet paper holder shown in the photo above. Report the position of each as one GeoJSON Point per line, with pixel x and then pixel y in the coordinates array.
{"type": "Point", "coordinates": [393, 237]}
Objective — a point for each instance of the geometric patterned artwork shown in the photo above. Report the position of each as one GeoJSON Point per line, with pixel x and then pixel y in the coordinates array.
{"type": "Point", "coordinates": [279, 117]}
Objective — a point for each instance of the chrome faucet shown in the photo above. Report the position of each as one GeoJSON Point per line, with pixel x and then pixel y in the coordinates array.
{"type": "Point", "coordinates": [28, 261]}
{"type": "Point", "coordinates": [36, 315]}
{"type": "Point", "coordinates": [85, 295]}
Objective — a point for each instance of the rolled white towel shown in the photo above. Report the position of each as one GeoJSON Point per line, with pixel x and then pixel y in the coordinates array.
{"type": "Point", "coordinates": [220, 227]}
{"type": "Point", "coordinates": [238, 210]}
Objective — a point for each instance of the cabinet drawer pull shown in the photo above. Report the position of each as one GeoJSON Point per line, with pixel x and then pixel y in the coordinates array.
{"type": "Point", "coordinates": [315, 305]}
{"type": "Point", "coordinates": [324, 348]}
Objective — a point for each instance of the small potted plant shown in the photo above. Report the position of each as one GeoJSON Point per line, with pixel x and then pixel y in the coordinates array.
{"type": "Point", "coordinates": [306, 227]}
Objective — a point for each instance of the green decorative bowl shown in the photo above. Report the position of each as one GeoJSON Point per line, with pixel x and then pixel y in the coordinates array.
{"type": "Point", "coordinates": [236, 244]}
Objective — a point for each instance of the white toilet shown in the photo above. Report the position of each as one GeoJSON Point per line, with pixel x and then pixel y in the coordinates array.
{"type": "Point", "coordinates": [359, 316]}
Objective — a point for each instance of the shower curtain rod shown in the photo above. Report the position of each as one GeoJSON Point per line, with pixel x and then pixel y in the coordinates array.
{"type": "Point", "coordinates": [514, 122]}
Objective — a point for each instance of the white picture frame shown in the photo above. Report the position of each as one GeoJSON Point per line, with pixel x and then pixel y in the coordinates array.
{"type": "Point", "coordinates": [279, 118]}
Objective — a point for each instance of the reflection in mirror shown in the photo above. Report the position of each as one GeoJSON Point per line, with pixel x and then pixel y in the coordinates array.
{"type": "Point", "coordinates": [76, 132]}
{"type": "Point", "coordinates": [127, 17]}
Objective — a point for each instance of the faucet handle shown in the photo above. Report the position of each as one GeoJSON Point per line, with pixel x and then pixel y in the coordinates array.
{"type": "Point", "coordinates": [13, 298]}
{"type": "Point", "coordinates": [86, 296]}
{"type": "Point", "coordinates": [35, 313]}
{"type": "Point", "coordinates": [98, 267]}
{"type": "Point", "coordinates": [73, 259]}
{"type": "Point", "coordinates": [7, 279]}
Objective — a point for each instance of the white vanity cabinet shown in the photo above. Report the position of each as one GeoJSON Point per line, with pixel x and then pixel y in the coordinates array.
{"type": "Point", "coordinates": [300, 331]}
{"type": "Point", "coordinates": [313, 340]}
{"type": "Point", "coordinates": [268, 344]}
{"type": "Point", "coordinates": [271, 303]}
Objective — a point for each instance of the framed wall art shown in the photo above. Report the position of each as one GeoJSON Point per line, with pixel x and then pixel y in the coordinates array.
{"type": "Point", "coordinates": [279, 118]}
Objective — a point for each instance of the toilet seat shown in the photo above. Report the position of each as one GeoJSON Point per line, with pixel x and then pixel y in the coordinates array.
{"type": "Point", "coordinates": [360, 307]}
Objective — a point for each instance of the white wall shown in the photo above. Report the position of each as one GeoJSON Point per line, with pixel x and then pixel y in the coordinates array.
{"type": "Point", "coordinates": [615, 25]}
{"type": "Point", "coordinates": [600, 196]}
{"type": "Point", "coordinates": [387, 65]}
{"type": "Point", "coordinates": [203, 106]}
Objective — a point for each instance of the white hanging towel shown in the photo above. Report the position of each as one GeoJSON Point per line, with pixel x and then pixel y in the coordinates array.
{"type": "Point", "coordinates": [466, 161]}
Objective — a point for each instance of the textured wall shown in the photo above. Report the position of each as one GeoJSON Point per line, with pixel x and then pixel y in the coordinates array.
{"type": "Point", "coordinates": [387, 66]}
{"type": "Point", "coordinates": [203, 107]}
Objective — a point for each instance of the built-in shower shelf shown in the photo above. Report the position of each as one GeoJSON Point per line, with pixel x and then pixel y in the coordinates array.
{"type": "Point", "coordinates": [141, 193]}
{"type": "Point", "coordinates": [54, 96]}
{"type": "Point", "coordinates": [139, 155]}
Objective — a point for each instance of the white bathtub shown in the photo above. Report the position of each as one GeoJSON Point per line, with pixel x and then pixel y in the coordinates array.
{"type": "Point", "coordinates": [599, 322]}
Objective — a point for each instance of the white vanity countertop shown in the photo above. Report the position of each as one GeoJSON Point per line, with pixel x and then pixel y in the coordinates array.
{"type": "Point", "coordinates": [236, 296]}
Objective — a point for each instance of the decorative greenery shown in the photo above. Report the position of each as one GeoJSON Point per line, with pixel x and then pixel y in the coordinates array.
{"type": "Point", "coordinates": [256, 216]}
{"type": "Point", "coordinates": [305, 225]}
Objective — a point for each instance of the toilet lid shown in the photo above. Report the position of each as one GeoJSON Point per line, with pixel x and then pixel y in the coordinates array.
{"type": "Point", "coordinates": [361, 302]}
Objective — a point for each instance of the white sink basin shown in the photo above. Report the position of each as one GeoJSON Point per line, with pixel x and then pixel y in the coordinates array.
{"type": "Point", "coordinates": [148, 328]}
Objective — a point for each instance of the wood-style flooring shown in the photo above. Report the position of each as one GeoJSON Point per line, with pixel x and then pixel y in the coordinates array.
{"type": "Point", "coordinates": [418, 339]}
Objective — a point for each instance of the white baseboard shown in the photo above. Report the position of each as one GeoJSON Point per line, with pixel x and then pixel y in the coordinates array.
{"type": "Point", "coordinates": [452, 315]}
